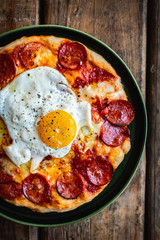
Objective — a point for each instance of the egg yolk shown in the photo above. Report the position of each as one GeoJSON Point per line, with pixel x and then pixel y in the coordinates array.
{"type": "Point", "coordinates": [57, 129]}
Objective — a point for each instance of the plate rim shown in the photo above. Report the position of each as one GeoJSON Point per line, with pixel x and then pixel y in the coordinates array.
{"type": "Point", "coordinates": [145, 125]}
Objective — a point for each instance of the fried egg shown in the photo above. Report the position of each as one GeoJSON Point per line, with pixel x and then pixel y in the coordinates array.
{"type": "Point", "coordinates": [42, 116]}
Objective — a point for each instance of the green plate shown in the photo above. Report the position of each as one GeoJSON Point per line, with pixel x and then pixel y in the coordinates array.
{"type": "Point", "coordinates": [138, 129]}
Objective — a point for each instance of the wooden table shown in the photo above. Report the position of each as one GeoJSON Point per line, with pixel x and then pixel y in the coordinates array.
{"type": "Point", "coordinates": [131, 28]}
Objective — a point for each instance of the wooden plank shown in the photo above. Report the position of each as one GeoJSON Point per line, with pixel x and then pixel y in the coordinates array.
{"type": "Point", "coordinates": [15, 14]}
{"type": "Point", "coordinates": [76, 231]}
{"type": "Point", "coordinates": [10, 230]}
{"type": "Point", "coordinates": [152, 225]}
{"type": "Point", "coordinates": [122, 25]}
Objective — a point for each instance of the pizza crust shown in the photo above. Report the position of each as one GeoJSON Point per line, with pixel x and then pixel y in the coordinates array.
{"type": "Point", "coordinates": [48, 168]}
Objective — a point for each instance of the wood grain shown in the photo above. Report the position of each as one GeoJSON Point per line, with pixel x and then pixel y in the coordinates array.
{"type": "Point", "coordinates": [76, 231]}
{"type": "Point", "coordinates": [15, 14]}
{"type": "Point", "coordinates": [10, 230]}
{"type": "Point", "coordinates": [122, 25]}
{"type": "Point", "coordinates": [152, 226]}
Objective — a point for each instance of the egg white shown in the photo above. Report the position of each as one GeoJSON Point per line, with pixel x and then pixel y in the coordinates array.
{"type": "Point", "coordinates": [25, 101]}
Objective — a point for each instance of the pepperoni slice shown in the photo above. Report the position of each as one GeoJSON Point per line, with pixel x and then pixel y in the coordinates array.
{"type": "Point", "coordinates": [85, 71]}
{"type": "Point", "coordinates": [96, 108]}
{"type": "Point", "coordinates": [36, 188]}
{"type": "Point", "coordinates": [72, 55]}
{"type": "Point", "coordinates": [100, 75]}
{"type": "Point", "coordinates": [69, 185]}
{"type": "Point", "coordinates": [7, 68]}
{"type": "Point", "coordinates": [4, 177]}
{"type": "Point", "coordinates": [113, 135]}
{"type": "Point", "coordinates": [119, 112]}
{"type": "Point", "coordinates": [33, 54]}
{"type": "Point", "coordinates": [99, 104]}
{"type": "Point", "coordinates": [79, 83]}
{"type": "Point", "coordinates": [87, 68]}
{"type": "Point", "coordinates": [16, 51]}
{"type": "Point", "coordinates": [100, 172]}
{"type": "Point", "coordinates": [10, 190]}
{"type": "Point", "coordinates": [80, 164]}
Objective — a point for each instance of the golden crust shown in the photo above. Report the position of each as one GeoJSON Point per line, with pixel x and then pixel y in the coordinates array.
{"type": "Point", "coordinates": [53, 167]}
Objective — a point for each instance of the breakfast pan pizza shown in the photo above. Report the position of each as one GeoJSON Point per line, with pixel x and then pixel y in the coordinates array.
{"type": "Point", "coordinates": [64, 119]}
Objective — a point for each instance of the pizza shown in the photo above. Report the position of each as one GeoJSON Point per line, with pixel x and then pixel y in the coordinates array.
{"type": "Point", "coordinates": [64, 119]}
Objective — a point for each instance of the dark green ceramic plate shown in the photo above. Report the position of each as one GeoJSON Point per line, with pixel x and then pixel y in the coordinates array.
{"type": "Point", "coordinates": [138, 129]}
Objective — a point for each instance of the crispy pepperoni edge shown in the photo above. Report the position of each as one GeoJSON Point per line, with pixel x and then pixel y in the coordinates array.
{"type": "Point", "coordinates": [46, 193]}
{"type": "Point", "coordinates": [21, 49]}
{"type": "Point", "coordinates": [104, 164]}
{"type": "Point", "coordinates": [80, 180]}
{"type": "Point", "coordinates": [107, 112]}
{"type": "Point", "coordinates": [122, 130]}
{"type": "Point", "coordinates": [78, 65]}
{"type": "Point", "coordinates": [11, 58]}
